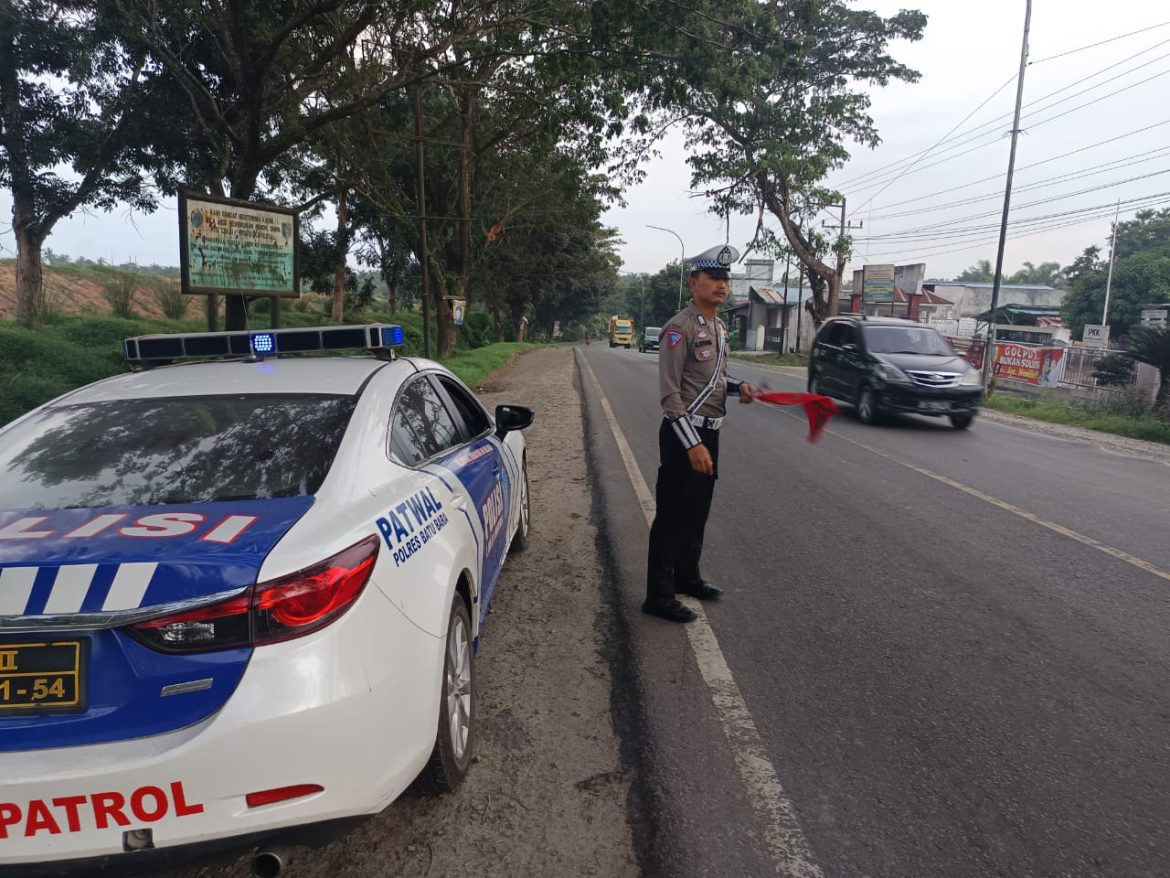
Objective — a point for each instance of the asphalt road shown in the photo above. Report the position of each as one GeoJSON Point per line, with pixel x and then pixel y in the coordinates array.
{"type": "Point", "coordinates": [944, 685]}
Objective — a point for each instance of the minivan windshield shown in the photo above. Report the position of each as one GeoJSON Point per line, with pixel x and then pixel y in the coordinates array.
{"type": "Point", "coordinates": [147, 452]}
{"type": "Point", "coordinates": [907, 340]}
{"type": "Point", "coordinates": [653, 331]}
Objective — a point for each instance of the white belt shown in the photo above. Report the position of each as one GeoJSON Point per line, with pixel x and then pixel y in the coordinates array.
{"type": "Point", "coordinates": [705, 423]}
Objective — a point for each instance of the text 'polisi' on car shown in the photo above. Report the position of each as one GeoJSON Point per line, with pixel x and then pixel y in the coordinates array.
{"type": "Point", "coordinates": [886, 364]}
{"type": "Point", "coordinates": [209, 569]}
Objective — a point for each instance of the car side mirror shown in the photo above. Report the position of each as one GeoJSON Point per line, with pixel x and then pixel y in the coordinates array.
{"type": "Point", "coordinates": [512, 417]}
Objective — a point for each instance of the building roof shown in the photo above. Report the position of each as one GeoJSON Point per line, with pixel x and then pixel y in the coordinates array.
{"type": "Point", "coordinates": [985, 286]}
{"type": "Point", "coordinates": [1023, 315]}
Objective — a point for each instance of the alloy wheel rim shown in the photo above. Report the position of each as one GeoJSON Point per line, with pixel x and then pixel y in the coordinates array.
{"type": "Point", "coordinates": [458, 687]}
{"type": "Point", "coordinates": [524, 501]}
{"type": "Point", "coordinates": [866, 405]}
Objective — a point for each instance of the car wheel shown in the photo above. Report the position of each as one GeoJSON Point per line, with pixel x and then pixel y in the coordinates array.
{"type": "Point", "coordinates": [867, 407]}
{"type": "Point", "coordinates": [814, 383]}
{"type": "Point", "coordinates": [520, 539]}
{"type": "Point", "coordinates": [962, 422]}
{"type": "Point", "coordinates": [455, 739]}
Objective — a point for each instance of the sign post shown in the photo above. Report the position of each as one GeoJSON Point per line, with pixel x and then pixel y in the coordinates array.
{"type": "Point", "coordinates": [1096, 336]}
{"type": "Point", "coordinates": [240, 248]}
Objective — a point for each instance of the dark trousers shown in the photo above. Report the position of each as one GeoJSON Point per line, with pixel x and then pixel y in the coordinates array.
{"type": "Point", "coordinates": [682, 504]}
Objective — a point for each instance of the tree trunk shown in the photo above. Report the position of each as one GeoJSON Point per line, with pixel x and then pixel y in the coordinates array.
{"type": "Point", "coordinates": [444, 316]}
{"type": "Point", "coordinates": [30, 285]}
{"type": "Point", "coordinates": [339, 266]}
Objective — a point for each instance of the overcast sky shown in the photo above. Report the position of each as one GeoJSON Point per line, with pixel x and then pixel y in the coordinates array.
{"type": "Point", "coordinates": [970, 51]}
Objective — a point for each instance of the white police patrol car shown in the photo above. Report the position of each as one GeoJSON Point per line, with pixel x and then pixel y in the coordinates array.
{"type": "Point", "coordinates": [244, 595]}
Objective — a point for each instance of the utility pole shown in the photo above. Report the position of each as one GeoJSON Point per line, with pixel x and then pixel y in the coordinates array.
{"type": "Point", "coordinates": [642, 315]}
{"type": "Point", "coordinates": [1112, 254]}
{"type": "Point", "coordinates": [844, 226]}
{"type": "Point", "coordinates": [422, 220]}
{"type": "Point", "coordinates": [681, 261]}
{"type": "Point", "coordinates": [989, 353]}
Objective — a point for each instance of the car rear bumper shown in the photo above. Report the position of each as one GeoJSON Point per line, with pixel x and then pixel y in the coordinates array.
{"type": "Point", "coordinates": [325, 710]}
{"type": "Point", "coordinates": [929, 400]}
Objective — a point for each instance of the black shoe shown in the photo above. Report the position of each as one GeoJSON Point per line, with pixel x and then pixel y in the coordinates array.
{"type": "Point", "coordinates": [703, 590]}
{"type": "Point", "coordinates": [672, 611]}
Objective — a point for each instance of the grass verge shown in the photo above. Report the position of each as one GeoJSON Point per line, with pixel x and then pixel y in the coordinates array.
{"type": "Point", "coordinates": [71, 351]}
{"type": "Point", "coordinates": [799, 361]}
{"type": "Point", "coordinates": [1147, 427]}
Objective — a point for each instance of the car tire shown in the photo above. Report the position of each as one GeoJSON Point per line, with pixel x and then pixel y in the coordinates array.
{"type": "Point", "coordinates": [814, 383]}
{"type": "Point", "coordinates": [455, 739]}
{"type": "Point", "coordinates": [520, 538]}
{"type": "Point", "coordinates": [867, 410]}
{"type": "Point", "coordinates": [961, 422]}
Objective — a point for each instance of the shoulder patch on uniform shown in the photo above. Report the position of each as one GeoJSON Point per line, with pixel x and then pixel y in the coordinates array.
{"type": "Point", "coordinates": [673, 337]}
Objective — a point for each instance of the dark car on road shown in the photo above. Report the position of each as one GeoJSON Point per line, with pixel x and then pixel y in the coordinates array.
{"type": "Point", "coordinates": [886, 364]}
{"type": "Point", "coordinates": [649, 340]}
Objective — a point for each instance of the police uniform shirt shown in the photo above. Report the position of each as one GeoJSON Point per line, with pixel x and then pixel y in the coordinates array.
{"type": "Point", "coordinates": [692, 371]}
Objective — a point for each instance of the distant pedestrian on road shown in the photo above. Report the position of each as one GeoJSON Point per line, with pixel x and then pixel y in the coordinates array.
{"type": "Point", "coordinates": [693, 386]}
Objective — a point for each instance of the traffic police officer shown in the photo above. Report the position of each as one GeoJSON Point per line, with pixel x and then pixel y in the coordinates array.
{"type": "Point", "coordinates": [693, 386]}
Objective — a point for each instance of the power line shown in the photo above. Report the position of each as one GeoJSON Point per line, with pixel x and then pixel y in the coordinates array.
{"type": "Point", "coordinates": [1102, 43]}
{"type": "Point", "coordinates": [921, 234]}
{"type": "Point", "coordinates": [977, 245]}
{"type": "Point", "coordinates": [1046, 161]}
{"type": "Point", "coordinates": [1080, 173]}
{"type": "Point", "coordinates": [878, 176]}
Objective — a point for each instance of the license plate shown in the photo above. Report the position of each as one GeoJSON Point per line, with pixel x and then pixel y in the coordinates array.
{"type": "Point", "coordinates": [45, 677]}
{"type": "Point", "coordinates": [934, 406]}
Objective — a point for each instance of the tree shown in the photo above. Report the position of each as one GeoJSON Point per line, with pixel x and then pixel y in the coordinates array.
{"type": "Point", "coordinates": [982, 272]}
{"type": "Point", "coordinates": [771, 91]}
{"type": "Point", "coordinates": [1141, 274]}
{"type": "Point", "coordinates": [262, 79]}
{"type": "Point", "coordinates": [1151, 345]}
{"type": "Point", "coordinates": [1045, 274]}
{"type": "Point", "coordinates": [72, 99]}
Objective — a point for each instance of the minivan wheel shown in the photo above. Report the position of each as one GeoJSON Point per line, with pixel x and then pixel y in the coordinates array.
{"type": "Point", "coordinates": [814, 383]}
{"type": "Point", "coordinates": [867, 407]}
{"type": "Point", "coordinates": [962, 422]}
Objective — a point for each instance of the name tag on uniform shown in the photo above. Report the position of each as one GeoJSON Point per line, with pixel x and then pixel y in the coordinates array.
{"type": "Point", "coordinates": [704, 344]}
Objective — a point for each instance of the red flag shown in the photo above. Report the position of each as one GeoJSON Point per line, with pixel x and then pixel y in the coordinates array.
{"type": "Point", "coordinates": [817, 408]}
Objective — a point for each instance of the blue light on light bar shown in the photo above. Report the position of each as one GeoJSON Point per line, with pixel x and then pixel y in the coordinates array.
{"type": "Point", "coordinates": [263, 343]}
{"type": "Point", "coordinates": [378, 337]}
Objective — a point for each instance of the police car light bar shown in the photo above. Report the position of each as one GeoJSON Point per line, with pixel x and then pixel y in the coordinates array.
{"type": "Point", "coordinates": [262, 342]}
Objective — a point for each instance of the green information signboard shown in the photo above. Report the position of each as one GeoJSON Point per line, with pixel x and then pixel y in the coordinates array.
{"type": "Point", "coordinates": [237, 247]}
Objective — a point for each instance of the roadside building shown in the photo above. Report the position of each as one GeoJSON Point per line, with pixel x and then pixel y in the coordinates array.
{"type": "Point", "coordinates": [972, 299]}
{"type": "Point", "coordinates": [772, 319]}
{"type": "Point", "coordinates": [756, 272]}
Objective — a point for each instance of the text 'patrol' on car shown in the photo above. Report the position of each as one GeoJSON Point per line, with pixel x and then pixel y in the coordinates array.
{"type": "Point", "coordinates": [243, 595]}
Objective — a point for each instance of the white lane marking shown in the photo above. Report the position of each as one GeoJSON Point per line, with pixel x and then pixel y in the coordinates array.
{"type": "Point", "coordinates": [129, 585]}
{"type": "Point", "coordinates": [69, 588]}
{"type": "Point", "coordinates": [16, 585]}
{"type": "Point", "coordinates": [1067, 532]}
{"type": "Point", "coordinates": [782, 833]}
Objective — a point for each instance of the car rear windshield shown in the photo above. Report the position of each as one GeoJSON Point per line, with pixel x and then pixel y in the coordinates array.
{"type": "Point", "coordinates": [175, 450]}
{"type": "Point", "coordinates": [906, 340]}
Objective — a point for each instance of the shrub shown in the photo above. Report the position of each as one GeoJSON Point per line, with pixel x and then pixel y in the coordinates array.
{"type": "Point", "coordinates": [170, 301]}
{"type": "Point", "coordinates": [1113, 370]}
{"type": "Point", "coordinates": [119, 292]}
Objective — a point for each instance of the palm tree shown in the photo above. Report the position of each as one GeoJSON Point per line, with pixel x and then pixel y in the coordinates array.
{"type": "Point", "coordinates": [1151, 345]}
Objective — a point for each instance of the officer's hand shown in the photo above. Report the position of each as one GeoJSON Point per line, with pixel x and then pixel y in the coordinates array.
{"type": "Point", "coordinates": [747, 393]}
{"type": "Point", "coordinates": [700, 459]}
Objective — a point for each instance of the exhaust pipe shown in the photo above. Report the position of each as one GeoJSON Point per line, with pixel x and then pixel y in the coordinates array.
{"type": "Point", "coordinates": [270, 863]}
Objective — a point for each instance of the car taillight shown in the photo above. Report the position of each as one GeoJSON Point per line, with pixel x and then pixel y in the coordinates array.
{"type": "Point", "coordinates": [268, 612]}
